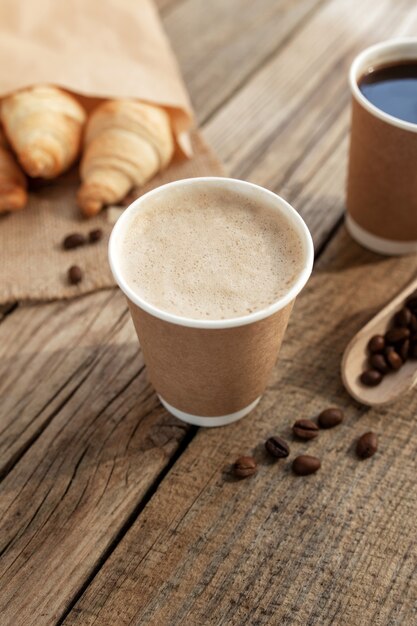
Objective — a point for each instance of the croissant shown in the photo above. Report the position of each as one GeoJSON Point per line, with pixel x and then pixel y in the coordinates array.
{"type": "Point", "coordinates": [13, 194]}
{"type": "Point", "coordinates": [44, 126]}
{"type": "Point", "coordinates": [126, 143]}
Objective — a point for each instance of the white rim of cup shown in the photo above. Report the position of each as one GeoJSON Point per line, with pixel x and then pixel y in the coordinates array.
{"type": "Point", "coordinates": [385, 52]}
{"type": "Point", "coordinates": [295, 219]}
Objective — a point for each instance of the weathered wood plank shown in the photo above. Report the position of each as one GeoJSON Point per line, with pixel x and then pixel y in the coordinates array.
{"type": "Point", "coordinates": [334, 548]}
{"type": "Point", "coordinates": [72, 370]}
{"type": "Point", "coordinates": [219, 44]}
{"type": "Point", "coordinates": [291, 119]}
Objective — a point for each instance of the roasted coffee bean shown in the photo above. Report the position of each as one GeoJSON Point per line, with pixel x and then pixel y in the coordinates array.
{"type": "Point", "coordinates": [95, 235]}
{"type": "Point", "coordinates": [277, 447]}
{"type": "Point", "coordinates": [404, 350]}
{"type": "Point", "coordinates": [305, 464]}
{"type": "Point", "coordinates": [413, 325]}
{"type": "Point", "coordinates": [378, 362]}
{"type": "Point", "coordinates": [403, 317]}
{"type": "Point", "coordinates": [376, 343]}
{"type": "Point", "coordinates": [371, 378]}
{"type": "Point", "coordinates": [396, 335]}
{"type": "Point", "coordinates": [305, 429]}
{"type": "Point", "coordinates": [245, 466]}
{"type": "Point", "coordinates": [393, 358]}
{"type": "Point", "coordinates": [75, 240]}
{"type": "Point", "coordinates": [367, 445]}
{"type": "Point", "coordinates": [330, 417]}
{"type": "Point", "coordinates": [75, 275]}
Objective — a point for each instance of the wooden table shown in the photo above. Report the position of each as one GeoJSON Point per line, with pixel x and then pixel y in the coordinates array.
{"type": "Point", "coordinates": [114, 512]}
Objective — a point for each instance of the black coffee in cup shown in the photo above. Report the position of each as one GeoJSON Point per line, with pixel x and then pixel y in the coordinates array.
{"type": "Point", "coordinates": [393, 89]}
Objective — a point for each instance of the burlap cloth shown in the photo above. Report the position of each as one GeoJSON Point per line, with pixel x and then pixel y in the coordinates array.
{"type": "Point", "coordinates": [33, 263]}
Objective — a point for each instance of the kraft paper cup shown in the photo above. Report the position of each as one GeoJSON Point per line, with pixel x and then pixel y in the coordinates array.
{"type": "Point", "coordinates": [382, 187]}
{"type": "Point", "coordinates": [210, 372]}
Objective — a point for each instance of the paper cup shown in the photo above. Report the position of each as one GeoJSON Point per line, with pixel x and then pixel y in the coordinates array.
{"type": "Point", "coordinates": [382, 189]}
{"type": "Point", "coordinates": [210, 372]}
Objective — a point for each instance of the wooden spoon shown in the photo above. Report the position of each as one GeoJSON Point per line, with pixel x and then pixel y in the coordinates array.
{"type": "Point", "coordinates": [354, 360]}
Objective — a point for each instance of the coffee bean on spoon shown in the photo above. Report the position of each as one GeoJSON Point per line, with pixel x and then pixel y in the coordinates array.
{"type": "Point", "coordinates": [75, 240]}
{"type": "Point", "coordinates": [393, 358]}
{"type": "Point", "coordinates": [413, 351]}
{"type": "Point", "coordinates": [305, 429]}
{"type": "Point", "coordinates": [411, 302]}
{"type": "Point", "coordinates": [413, 324]}
{"type": "Point", "coordinates": [367, 445]}
{"type": "Point", "coordinates": [397, 335]}
{"type": "Point", "coordinates": [75, 275]}
{"type": "Point", "coordinates": [305, 464]}
{"type": "Point", "coordinates": [330, 417]}
{"type": "Point", "coordinates": [245, 466]}
{"type": "Point", "coordinates": [371, 378]}
{"type": "Point", "coordinates": [376, 343]}
{"type": "Point", "coordinates": [404, 350]}
{"type": "Point", "coordinates": [379, 362]}
{"type": "Point", "coordinates": [402, 317]}
{"type": "Point", "coordinates": [277, 447]}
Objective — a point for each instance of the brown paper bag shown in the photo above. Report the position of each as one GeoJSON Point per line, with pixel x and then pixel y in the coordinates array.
{"type": "Point", "coordinates": [94, 48]}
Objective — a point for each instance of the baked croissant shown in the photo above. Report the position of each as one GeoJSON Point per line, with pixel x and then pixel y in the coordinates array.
{"type": "Point", "coordinates": [44, 126]}
{"type": "Point", "coordinates": [13, 194]}
{"type": "Point", "coordinates": [126, 143]}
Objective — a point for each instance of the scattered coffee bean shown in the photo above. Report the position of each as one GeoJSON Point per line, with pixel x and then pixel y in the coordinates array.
{"type": "Point", "coordinates": [75, 275]}
{"type": "Point", "coordinates": [330, 417]}
{"type": "Point", "coordinates": [367, 445]}
{"type": "Point", "coordinates": [393, 358]}
{"type": "Point", "coordinates": [404, 350]}
{"type": "Point", "coordinates": [245, 466]}
{"type": "Point", "coordinates": [305, 464]}
{"type": "Point", "coordinates": [376, 343]}
{"type": "Point", "coordinates": [378, 362]}
{"type": "Point", "coordinates": [305, 429]}
{"type": "Point", "coordinates": [277, 447]}
{"type": "Point", "coordinates": [95, 235]}
{"type": "Point", "coordinates": [397, 335]}
{"type": "Point", "coordinates": [75, 240]}
{"type": "Point", "coordinates": [371, 378]}
{"type": "Point", "coordinates": [403, 317]}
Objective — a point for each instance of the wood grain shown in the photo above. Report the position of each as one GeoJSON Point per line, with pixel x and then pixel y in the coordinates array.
{"type": "Point", "coordinates": [334, 548]}
{"type": "Point", "coordinates": [76, 403]}
{"type": "Point", "coordinates": [220, 44]}
{"type": "Point", "coordinates": [291, 119]}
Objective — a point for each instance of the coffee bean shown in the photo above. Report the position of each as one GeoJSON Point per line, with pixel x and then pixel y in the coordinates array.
{"type": "Point", "coordinates": [330, 417]}
{"type": "Point", "coordinates": [403, 317]}
{"type": "Point", "coordinates": [95, 235]}
{"type": "Point", "coordinates": [75, 240]}
{"type": "Point", "coordinates": [393, 358]}
{"type": "Point", "coordinates": [413, 351]}
{"type": "Point", "coordinates": [305, 429]}
{"type": "Point", "coordinates": [396, 335]}
{"type": "Point", "coordinates": [75, 275]}
{"type": "Point", "coordinates": [277, 447]}
{"type": "Point", "coordinates": [305, 464]}
{"type": "Point", "coordinates": [378, 362]}
{"type": "Point", "coordinates": [404, 350]}
{"type": "Point", "coordinates": [371, 378]}
{"type": "Point", "coordinates": [413, 325]}
{"type": "Point", "coordinates": [245, 466]}
{"type": "Point", "coordinates": [367, 445]}
{"type": "Point", "coordinates": [376, 343]}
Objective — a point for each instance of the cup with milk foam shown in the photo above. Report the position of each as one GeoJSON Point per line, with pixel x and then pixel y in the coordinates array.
{"type": "Point", "coordinates": [210, 268]}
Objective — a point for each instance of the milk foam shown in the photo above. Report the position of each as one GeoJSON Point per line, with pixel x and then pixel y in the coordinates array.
{"type": "Point", "coordinates": [211, 255]}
